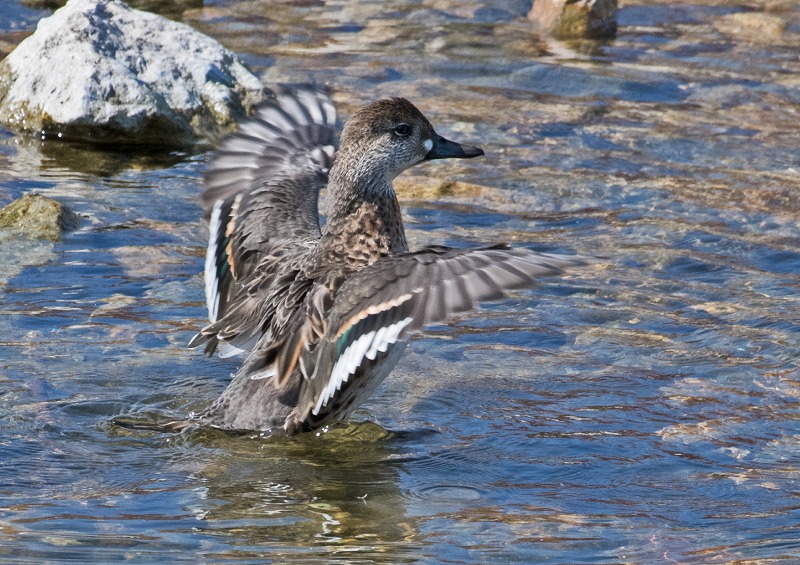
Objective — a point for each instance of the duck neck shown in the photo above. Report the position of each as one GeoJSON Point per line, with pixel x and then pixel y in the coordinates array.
{"type": "Point", "coordinates": [364, 221]}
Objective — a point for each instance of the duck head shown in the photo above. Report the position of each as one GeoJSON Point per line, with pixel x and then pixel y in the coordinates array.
{"type": "Point", "coordinates": [385, 138]}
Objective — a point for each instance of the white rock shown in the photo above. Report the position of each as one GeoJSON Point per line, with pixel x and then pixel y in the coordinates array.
{"type": "Point", "coordinates": [98, 70]}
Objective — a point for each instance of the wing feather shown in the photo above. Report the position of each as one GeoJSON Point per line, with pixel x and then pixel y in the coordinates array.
{"type": "Point", "coordinates": [380, 306]}
{"type": "Point", "coordinates": [260, 194]}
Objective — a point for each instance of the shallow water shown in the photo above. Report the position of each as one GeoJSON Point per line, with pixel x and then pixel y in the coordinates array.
{"type": "Point", "coordinates": [644, 410]}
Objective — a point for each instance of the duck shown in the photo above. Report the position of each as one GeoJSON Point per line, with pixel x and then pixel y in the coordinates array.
{"type": "Point", "coordinates": [322, 312]}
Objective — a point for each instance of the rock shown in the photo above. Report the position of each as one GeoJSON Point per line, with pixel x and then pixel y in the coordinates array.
{"type": "Point", "coordinates": [38, 217]}
{"type": "Point", "coordinates": [99, 71]}
{"type": "Point", "coordinates": [575, 19]}
{"type": "Point", "coordinates": [754, 27]}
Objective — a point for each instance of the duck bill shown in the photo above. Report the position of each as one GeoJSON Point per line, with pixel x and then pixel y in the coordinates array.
{"type": "Point", "coordinates": [446, 149]}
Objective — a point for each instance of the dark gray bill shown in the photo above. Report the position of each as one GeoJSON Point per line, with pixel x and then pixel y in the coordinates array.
{"type": "Point", "coordinates": [446, 149]}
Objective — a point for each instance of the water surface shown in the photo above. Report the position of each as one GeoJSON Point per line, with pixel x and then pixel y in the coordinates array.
{"type": "Point", "coordinates": [642, 411]}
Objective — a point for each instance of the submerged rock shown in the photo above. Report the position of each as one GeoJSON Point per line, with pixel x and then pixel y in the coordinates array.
{"type": "Point", "coordinates": [575, 19]}
{"type": "Point", "coordinates": [97, 70]}
{"type": "Point", "coordinates": [38, 217]}
{"type": "Point", "coordinates": [16, 253]}
{"type": "Point", "coordinates": [754, 27]}
{"type": "Point", "coordinates": [428, 188]}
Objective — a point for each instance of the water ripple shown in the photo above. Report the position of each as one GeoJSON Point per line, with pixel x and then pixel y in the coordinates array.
{"type": "Point", "coordinates": [642, 410]}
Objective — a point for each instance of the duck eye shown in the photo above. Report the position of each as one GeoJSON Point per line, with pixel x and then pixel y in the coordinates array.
{"type": "Point", "coordinates": [402, 130]}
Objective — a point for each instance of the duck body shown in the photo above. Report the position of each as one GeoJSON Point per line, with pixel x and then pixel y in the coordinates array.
{"type": "Point", "coordinates": [322, 314]}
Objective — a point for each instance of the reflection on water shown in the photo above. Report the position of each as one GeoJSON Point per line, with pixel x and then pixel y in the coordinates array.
{"type": "Point", "coordinates": [642, 411]}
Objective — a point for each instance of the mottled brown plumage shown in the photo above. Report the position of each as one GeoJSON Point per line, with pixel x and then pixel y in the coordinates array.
{"type": "Point", "coordinates": [323, 314]}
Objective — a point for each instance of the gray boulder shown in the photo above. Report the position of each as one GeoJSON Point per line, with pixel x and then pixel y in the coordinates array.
{"type": "Point", "coordinates": [97, 70]}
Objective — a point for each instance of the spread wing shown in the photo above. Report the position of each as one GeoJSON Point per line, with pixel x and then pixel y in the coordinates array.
{"type": "Point", "coordinates": [384, 303]}
{"type": "Point", "coordinates": [260, 196]}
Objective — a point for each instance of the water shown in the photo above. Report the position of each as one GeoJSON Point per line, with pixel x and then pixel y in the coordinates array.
{"type": "Point", "coordinates": [641, 411]}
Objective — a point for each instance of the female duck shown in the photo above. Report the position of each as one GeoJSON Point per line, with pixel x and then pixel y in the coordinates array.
{"type": "Point", "coordinates": [323, 314]}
